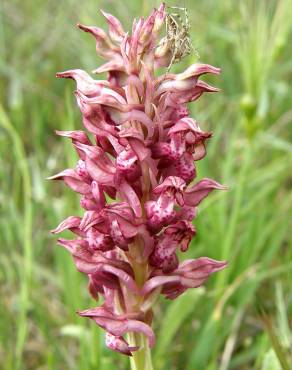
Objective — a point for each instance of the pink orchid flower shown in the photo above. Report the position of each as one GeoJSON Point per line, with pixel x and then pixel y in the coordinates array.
{"type": "Point", "coordinates": [136, 177]}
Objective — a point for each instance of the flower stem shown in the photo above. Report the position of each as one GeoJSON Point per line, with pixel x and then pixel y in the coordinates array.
{"type": "Point", "coordinates": [141, 359]}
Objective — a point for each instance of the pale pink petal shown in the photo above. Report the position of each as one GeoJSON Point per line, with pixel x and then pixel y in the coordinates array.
{"type": "Point", "coordinates": [104, 47]}
{"type": "Point", "coordinates": [85, 84]}
{"type": "Point", "coordinates": [118, 344]}
{"type": "Point", "coordinates": [116, 31]}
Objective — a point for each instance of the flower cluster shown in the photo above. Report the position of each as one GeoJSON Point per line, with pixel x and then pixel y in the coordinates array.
{"type": "Point", "coordinates": [135, 176]}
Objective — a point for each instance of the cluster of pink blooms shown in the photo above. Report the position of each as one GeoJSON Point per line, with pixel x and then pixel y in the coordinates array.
{"type": "Point", "coordinates": [135, 176]}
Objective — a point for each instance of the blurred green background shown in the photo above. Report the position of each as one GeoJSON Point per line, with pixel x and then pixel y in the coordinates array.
{"type": "Point", "coordinates": [240, 319]}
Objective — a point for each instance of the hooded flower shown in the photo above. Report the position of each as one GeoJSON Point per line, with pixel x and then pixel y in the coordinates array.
{"type": "Point", "coordinates": [177, 236]}
{"type": "Point", "coordinates": [136, 178]}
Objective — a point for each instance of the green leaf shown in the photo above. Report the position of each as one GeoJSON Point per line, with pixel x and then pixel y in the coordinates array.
{"type": "Point", "coordinates": [271, 361]}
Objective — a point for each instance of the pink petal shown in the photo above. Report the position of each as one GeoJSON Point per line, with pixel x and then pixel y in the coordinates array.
{"type": "Point", "coordinates": [201, 88]}
{"type": "Point", "coordinates": [158, 281]}
{"type": "Point", "coordinates": [206, 263]}
{"type": "Point", "coordinates": [77, 135]}
{"type": "Point", "coordinates": [137, 145]}
{"type": "Point", "coordinates": [136, 115]}
{"type": "Point", "coordinates": [141, 327]}
{"type": "Point", "coordinates": [196, 193]}
{"type": "Point", "coordinates": [195, 272]}
{"type": "Point", "coordinates": [159, 19]}
{"type": "Point", "coordinates": [99, 241]}
{"type": "Point", "coordinates": [98, 195]}
{"type": "Point", "coordinates": [113, 65]}
{"type": "Point", "coordinates": [161, 149]}
{"type": "Point", "coordinates": [73, 181]}
{"type": "Point", "coordinates": [122, 275]}
{"type": "Point", "coordinates": [71, 223]}
{"type": "Point", "coordinates": [129, 194]}
{"type": "Point", "coordinates": [170, 182]}
{"type": "Point", "coordinates": [117, 326]}
{"type": "Point", "coordinates": [85, 84]}
{"type": "Point", "coordinates": [89, 219]}
{"type": "Point", "coordinates": [159, 213]}
{"type": "Point", "coordinates": [104, 47]}
{"type": "Point", "coordinates": [116, 31]}
{"type": "Point", "coordinates": [98, 165]}
{"type": "Point", "coordinates": [118, 344]}
{"type": "Point", "coordinates": [184, 167]}
{"type": "Point", "coordinates": [117, 235]}
{"type": "Point", "coordinates": [88, 204]}
{"type": "Point", "coordinates": [175, 86]}
{"type": "Point", "coordinates": [79, 249]}
{"type": "Point", "coordinates": [197, 70]}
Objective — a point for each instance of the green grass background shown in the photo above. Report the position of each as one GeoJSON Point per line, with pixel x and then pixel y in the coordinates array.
{"type": "Point", "coordinates": [240, 319]}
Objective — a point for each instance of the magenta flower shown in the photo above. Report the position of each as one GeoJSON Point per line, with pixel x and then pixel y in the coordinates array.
{"type": "Point", "coordinates": [137, 179]}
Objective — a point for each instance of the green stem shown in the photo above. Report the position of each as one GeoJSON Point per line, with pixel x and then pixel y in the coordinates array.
{"type": "Point", "coordinates": [141, 359]}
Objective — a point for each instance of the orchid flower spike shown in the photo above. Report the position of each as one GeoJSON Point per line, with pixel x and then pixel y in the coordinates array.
{"type": "Point", "coordinates": [138, 149]}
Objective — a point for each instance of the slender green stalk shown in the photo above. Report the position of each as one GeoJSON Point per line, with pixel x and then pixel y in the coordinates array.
{"type": "Point", "coordinates": [141, 360]}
